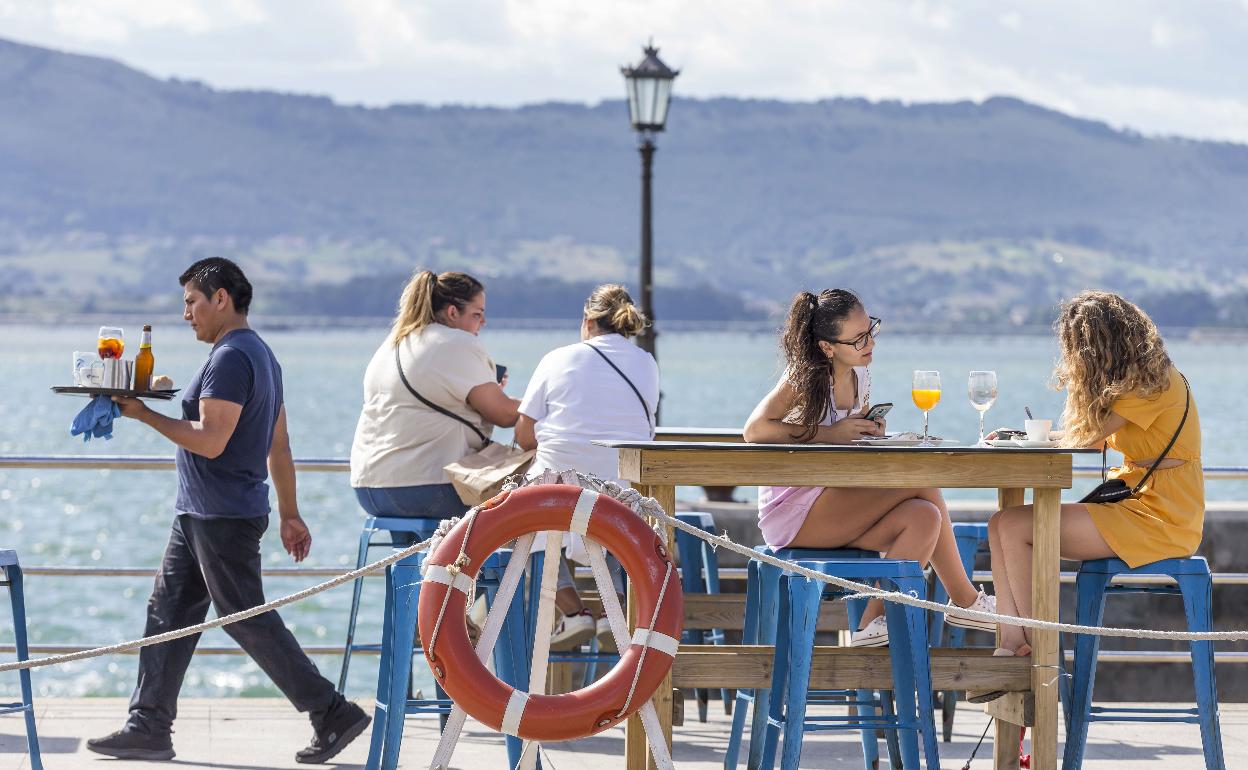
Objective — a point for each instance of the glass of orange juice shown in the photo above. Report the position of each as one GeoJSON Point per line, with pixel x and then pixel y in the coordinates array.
{"type": "Point", "coordinates": [925, 390]}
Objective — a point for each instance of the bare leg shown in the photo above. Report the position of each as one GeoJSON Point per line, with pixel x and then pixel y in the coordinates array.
{"type": "Point", "coordinates": [946, 560]}
{"type": "Point", "coordinates": [568, 601]}
{"type": "Point", "coordinates": [1080, 539]}
{"type": "Point", "coordinates": [897, 522]}
{"type": "Point", "coordinates": [1011, 636]}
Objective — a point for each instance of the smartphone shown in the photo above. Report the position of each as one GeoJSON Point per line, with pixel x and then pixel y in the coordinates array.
{"type": "Point", "coordinates": [877, 412]}
{"type": "Point", "coordinates": [500, 372]}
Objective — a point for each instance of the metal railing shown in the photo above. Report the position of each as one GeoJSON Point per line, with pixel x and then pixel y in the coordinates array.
{"type": "Point", "coordinates": [342, 465]}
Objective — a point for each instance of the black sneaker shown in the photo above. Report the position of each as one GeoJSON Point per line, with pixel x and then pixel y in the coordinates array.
{"type": "Point", "coordinates": [343, 727]}
{"type": "Point", "coordinates": [132, 743]}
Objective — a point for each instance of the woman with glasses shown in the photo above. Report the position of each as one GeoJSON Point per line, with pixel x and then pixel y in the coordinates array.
{"type": "Point", "coordinates": [828, 342]}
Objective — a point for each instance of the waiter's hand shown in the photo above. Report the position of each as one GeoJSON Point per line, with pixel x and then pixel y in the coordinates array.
{"type": "Point", "coordinates": [296, 538]}
{"type": "Point", "coordinates": [130, 407]}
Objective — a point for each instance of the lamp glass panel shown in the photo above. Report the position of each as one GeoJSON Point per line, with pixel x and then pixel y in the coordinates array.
{"type": "Point", "coordinates": [646, 91]}
{"type": "Point", "coordinates": [632, 100]}
{"type": "Point", "coordinates": [662, 97]}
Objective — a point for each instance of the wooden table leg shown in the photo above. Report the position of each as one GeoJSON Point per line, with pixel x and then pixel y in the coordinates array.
{"type": "Point", "coordinates": [636, 752]}
{"type": "Point", "coordinates": [1005, 734]}
{"type": "Point", "coordinates": [1045, 589]}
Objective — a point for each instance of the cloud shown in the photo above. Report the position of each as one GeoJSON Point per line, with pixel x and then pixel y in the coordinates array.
{"type": "Point", "coordinates": [1129, 62]}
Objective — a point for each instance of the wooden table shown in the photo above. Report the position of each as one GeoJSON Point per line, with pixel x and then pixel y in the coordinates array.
{"type": "Point", "coordinates": [656, 468]}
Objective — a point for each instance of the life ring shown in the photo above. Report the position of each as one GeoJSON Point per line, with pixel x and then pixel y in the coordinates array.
{"type": "Point", "coordinates": [539, 508]}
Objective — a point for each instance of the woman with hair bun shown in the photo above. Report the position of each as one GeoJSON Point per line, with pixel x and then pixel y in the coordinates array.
{"type": "Point", "coordinates": [401, 442]}
{"type": "Point", "coordinates": [825, 392]}
{"type": "Point", "coordinates": [602, 388]}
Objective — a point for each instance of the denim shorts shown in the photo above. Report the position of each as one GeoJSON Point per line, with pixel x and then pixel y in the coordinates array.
{"type": "Point", "coordinates": [426, 501]}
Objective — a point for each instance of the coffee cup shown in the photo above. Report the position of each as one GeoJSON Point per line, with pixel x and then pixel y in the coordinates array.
{"type": "Point", "coordinates": [88, 370]}
{"type": "Point", "coordinates": [1038, 430]}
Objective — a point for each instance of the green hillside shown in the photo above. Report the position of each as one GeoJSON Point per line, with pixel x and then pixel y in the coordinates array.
{"type": "Point", "coordinates": [111, 180]}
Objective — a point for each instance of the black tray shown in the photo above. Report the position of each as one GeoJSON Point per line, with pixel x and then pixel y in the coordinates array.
{"type": "Point", "coordinates": [76, 390]}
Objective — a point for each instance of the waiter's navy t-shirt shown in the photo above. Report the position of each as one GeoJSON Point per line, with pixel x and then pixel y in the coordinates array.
{"type": "Point", "coordinates": [242, 369]}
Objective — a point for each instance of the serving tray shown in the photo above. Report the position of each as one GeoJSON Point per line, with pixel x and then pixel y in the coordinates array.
{"type": "Point", "coordinates": [82, 390]}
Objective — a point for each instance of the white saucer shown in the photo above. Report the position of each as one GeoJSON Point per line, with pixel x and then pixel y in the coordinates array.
{"type": "Point", "coordinates": [1029, 444]}
{"type": "Point", "coordinates": [1001, 442]}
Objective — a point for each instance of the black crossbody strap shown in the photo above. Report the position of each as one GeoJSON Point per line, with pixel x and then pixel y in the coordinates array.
{"type": "Point", "coordinates": [1186, 408]}
{"type": "Point", "coordinates": [636, 392]}
{"type": "Point", "coordinates": [433, 406]}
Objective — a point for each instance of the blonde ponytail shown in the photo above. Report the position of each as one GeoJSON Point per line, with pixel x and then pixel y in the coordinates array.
{"type": "Point", "coordinates": [425, 295]}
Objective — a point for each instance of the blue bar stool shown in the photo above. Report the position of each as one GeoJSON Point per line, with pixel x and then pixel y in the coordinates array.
{"type": "Point", "coordinates": [699, 574]}
{"type": "Point", "coordinates": [762, 602]}
{"type": "Point", "coordinates": [423, 529]}
{"type": "Point", "coordinates": [11, 576]}
{"type": "Point", "coordinates": [511, 656]}
{"type": "Point", "coordinates": [972, 540]}
{"type": "Point", "coordinates": [1195, 585]}
{"type": "Point", "coordinates": [908, 652]}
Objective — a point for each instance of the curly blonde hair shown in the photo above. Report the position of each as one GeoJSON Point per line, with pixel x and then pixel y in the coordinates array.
{"type": "Point", "coordinates": [1110, 348]}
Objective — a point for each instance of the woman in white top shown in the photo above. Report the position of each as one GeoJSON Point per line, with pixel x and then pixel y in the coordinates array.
{"type": "Point", "coordinates": [602, 388]}
{"type": "Point", "coordinates": [825, 392]}
{"type": "Point", "coordinates": [401, 444]}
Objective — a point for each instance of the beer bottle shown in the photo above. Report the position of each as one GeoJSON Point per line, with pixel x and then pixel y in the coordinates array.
{"type": "Point", "coordinates": [144, 362]}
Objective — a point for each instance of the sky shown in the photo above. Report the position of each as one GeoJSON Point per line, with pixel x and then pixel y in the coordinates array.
{"type": "Point", "coordinates": [1161, 67]}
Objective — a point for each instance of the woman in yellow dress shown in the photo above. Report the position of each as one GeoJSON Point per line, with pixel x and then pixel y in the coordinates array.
{"type": "Point", "coordinates": [1121, 389]}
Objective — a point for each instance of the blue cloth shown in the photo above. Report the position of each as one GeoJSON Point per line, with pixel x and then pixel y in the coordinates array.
{"type": "Point", "coordinates": [95, 419]}
{"type": "Point", "coordinates": [241, 368]}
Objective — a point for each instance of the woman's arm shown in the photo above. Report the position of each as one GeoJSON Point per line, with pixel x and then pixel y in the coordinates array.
{"type": "Point", "coordinates": [489, 400]}
{"type": "Point", "coordinates": [766, 424]}
{"type": "Point", "coordinates": [526, 433]}
{"type": "Point", "coordinates": [1113, 424]}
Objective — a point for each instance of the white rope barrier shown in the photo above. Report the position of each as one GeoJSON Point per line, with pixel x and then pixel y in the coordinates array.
{"type": "Point", "coordinates": [168, 636]}
{"type": "Point", "coordinates": [646, 506]}
{"type": "Point", "coordinates": [650, 507]}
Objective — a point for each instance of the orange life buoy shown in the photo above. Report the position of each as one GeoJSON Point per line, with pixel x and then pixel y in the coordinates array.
{"type": "Point", "coordinates": [539, 508]}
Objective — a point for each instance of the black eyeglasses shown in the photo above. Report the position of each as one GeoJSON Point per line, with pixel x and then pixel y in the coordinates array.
{"type": "Point", "coordinates": [860, 341]}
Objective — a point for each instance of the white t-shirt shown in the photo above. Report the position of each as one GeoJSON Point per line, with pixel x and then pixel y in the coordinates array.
{"type": "Point", "coordinates": [575, 398]}
{"type": "Point", "coordinates": [400, 442]}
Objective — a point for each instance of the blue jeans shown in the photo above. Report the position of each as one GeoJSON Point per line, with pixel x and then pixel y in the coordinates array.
{"type": "Point", "coordinates": [426, 501]}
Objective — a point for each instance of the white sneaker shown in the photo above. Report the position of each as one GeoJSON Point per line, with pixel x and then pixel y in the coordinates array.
{"type": "Point", "coordinates": [477, 613]}
{"type": "Point", "coordinates": [602, 629]}
{"type": "Point", "coordinates": [874, 635]}
{"type": "Point", "coordinates": [983, 603]}
{"type": "Point", "coordinates": [571, 630]}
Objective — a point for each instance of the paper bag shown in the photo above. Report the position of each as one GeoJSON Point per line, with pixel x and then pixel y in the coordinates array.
{"type": "Point", "coordinates": [479, 476]}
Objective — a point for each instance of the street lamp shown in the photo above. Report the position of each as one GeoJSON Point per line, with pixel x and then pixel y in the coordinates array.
{"type": "Point", "coordinates": [649, 93]}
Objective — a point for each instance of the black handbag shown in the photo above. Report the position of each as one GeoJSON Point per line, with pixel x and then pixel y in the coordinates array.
{"type": "Point", "coordinates": [1116, 490]}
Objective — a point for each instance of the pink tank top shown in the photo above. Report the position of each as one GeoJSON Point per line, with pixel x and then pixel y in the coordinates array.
{"type": "Point", "coordinates": [782, 510]}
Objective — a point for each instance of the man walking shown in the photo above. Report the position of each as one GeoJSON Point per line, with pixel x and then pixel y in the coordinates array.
{"type": "Point", "coordinates": [231, 438]}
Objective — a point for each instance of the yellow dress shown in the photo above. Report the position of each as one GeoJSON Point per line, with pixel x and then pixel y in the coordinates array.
{"type": "Point", "coordinates": [1166, 519]}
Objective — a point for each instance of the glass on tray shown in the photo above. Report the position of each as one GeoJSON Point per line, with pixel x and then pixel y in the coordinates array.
{"type": "Point", "coordinates": [112, 342]}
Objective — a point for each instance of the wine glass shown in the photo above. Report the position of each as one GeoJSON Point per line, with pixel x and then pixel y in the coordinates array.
{"type": "Point", "coordinates": [925, 390]}
{"type": "Point", "coordinates": [111, 342]}
{"type": "Point", "coordinates": [982, 389]}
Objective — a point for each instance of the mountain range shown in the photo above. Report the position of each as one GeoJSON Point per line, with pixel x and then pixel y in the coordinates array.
{"type": "Point", "coordinates": [112, 180]}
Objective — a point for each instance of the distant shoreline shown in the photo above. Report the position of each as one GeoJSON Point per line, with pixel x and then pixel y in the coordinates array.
{"type": "Point", "coordinates": [280, 323]}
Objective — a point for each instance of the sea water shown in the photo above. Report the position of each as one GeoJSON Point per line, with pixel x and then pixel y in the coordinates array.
{"type": "Point", "coordinates": [121, 518]}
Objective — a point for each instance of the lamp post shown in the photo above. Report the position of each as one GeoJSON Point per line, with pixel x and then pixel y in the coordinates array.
{"type": "Point", "coordinates": [649, 93]}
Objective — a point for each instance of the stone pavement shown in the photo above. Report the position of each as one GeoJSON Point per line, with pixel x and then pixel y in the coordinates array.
{"type": "Point", "coordinates": [244, 733]}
